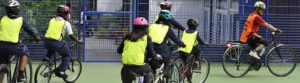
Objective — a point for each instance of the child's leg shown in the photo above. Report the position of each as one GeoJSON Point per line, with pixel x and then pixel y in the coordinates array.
{"type": "Point", "coordinates": [126, 76]}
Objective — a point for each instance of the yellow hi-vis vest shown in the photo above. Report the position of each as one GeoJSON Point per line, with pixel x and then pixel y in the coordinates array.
{"type": "Point", "coordinates": [10, 29]}
{"type": "Point", "coordinates": [134, 52]}
{"type": "Point", "coordinates": [190, 40]}
{"type": "Point", "coordinates": [55, 29]}
{"type": "Point", "coordinates": [158, 32]}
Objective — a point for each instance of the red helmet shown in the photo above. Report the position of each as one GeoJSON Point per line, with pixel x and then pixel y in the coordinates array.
{"type": "Point", "coordinates": [166, 5]}
{"type": "Point", "coordinates": [140, 21]}
{"type": "Point", "coordinates": [63, 11]}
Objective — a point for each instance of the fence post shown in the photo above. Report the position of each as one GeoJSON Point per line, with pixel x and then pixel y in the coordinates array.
{"type": "Point", "coordinates": [84, 28]}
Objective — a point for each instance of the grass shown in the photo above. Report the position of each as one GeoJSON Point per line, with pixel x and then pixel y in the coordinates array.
{"type": "Point", "coordinates": [110, 73]}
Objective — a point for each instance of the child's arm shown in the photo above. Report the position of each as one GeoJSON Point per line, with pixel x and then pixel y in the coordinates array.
{"type": "Point", "coordinates": [150, 49]}
{"type": "Point", "coordinates": [120, 48]}
{"type": "Point", "coordinates": [200, 40]}
{"type": "Point", "coordinates": [174, 38]}
{"type": "Point", "coordinates": [176, 24]}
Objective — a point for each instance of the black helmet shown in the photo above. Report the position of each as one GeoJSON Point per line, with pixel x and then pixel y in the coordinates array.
{"type": "Point", "coordinates": [192, 23]}
{"type": "Point", "coordinates": [12, 8]}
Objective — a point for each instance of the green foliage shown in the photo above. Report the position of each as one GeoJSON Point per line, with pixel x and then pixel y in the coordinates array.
{"type": "Point", "coordinates": [38, 13]}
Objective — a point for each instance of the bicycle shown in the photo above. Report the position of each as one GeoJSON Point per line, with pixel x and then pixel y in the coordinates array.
{"type": "Point", "coordinates": [185, 67]}
{"type": "Point", "coordinates": [45, 70]}
{"type": "Point", "coordinates": [157, 79]}
{"type": "Point", "coordinates": [281, 59]}
{"type": "Point", "coordinates": [6, 68]}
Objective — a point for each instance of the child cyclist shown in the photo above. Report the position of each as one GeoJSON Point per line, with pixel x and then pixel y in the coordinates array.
{"type": "Point", "coordinates": [192, 40]}
{"type": "Point", "coordinates": [133, 49]}
{"type": "Point", "coordinates": [160, 31]}
{"type": "Point", "coordinates": [57, 28]}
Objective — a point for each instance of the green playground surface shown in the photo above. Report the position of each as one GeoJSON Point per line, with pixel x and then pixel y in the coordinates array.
{"type": "Point", "coordinates": [110, 73]}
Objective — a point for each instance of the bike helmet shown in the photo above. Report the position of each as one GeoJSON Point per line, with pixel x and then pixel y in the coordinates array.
{"type": "Point", "coordinates": [166, 14]}
{"type": "Point", "coordinates": [12, 8]}
{"type": "Point", "coordinates": [63, 11]}
{"type": "Point", "coordinates": [192, 22]}
{"type": "Point", "coordinates": [260, 4]}
{"type": "Point", "coordinates": [140, 21]}
{"type": "Point", "coordinates": [166, 5]}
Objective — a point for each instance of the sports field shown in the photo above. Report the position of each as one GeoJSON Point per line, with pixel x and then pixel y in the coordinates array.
{"type": "Point", "coordinates": [110, 73]}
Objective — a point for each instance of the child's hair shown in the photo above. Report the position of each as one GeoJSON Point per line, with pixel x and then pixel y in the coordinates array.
{"type": "Point", "coordinates": [140, 26]}
{"type": "Point", "coordinates": [192, 23]}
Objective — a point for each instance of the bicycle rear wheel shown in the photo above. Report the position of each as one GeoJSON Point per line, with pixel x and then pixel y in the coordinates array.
{"type": "Point", "coordinates": [281, 61]}
{"type": "Point", "coordinates": [43, 73]}
{"type": "Point", "coordinates": [236, 61]}
{"type": "Point", "coordinates": [27, 72]}
{"type": "Point", "coordinates": [5, 74]}
{"type": "Point", "coordinates": [175, 77]}
{"type": "Point", "coordinates": [180, 66]}
{"type": "Point", "coordinates": [200, 75]}
{"type": "Point", "coordinates": [74, 71]}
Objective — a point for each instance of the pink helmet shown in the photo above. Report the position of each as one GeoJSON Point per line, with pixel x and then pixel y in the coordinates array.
{"type": "Point", "coordinates": [140, 21]}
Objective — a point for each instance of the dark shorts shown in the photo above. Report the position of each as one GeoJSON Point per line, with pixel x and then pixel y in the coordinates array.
{"type": "Point", "coordinates": [254, 42]}
{"type": "Point", "coordinates": [9, 49]}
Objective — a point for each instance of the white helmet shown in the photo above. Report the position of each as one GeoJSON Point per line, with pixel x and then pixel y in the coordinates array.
{"type": "Point", "coordinates": [13, 3]}
{"type": "Point", "coordinates": [260, 4]}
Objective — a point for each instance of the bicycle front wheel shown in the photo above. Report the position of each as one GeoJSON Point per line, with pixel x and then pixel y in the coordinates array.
{"type": "Point", "coordinates": [73, 71]}
{"type": "Point", "coordinates": [281, 61]}
{"type": "Point", "coordinates": [200, 74]}
{"type": "Point", "coordinates": [236, 61]}
{"type": "Point", "coordinates": [43, 73]}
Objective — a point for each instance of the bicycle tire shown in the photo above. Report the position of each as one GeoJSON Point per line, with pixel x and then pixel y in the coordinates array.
{"type": "Point", "coordinates": [231, 54]}
{"type": "Point", "coordinates": [6, 71]}
{"type": "Point", "coordinates": [27, 72]}
{"type": "Point", "coordinates": [175, 77]}
{"type": "Point", "coordinates": [180, 65]}
{"type": "Point", "coordinates": [72, 64]}
{"type": "Point", "coordinates": [44, 66]}
{"type": "Point", "coordinates": [204, 63]}
{"type": "Point", "coordinates": [275, 68]}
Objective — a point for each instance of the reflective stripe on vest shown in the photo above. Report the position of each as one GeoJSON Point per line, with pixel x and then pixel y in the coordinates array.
{"type": "Point", "coordinates": [157, 32]}
{"type": "Point", "coordinates": [189, 39]}
{"type": "Point", "coordinates": [10, 29]}
{"type": "Point", "coordinates": [55, 29]}
{"type": "Point", "coordinates": [248, 28]}
{"type": "Point", "coordinates": [134, 52]}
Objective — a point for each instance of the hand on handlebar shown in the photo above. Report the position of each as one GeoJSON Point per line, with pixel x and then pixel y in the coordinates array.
{"type": "Point", "coordinates": [79, 41]}
{"type": "Point", "coordinates": [278, 31]}
{"type": "Point", "coordinates": [158, 57]}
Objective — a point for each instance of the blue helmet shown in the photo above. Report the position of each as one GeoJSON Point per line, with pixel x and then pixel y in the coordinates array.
{"type": "Point", "coordinates": [166, 14]}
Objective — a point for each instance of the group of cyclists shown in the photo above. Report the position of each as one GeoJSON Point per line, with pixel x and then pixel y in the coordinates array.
{"type": "Point", "coordinates": [11, 26]}
{"type": "Point", "coordinates": [144, 42]}
{"type": "Point", "coordinates": [150, 41]}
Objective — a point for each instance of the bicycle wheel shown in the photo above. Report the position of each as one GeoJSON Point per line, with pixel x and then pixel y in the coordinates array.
{"type": "Point", "coordinates": [200, 75]}
{"type": "Point", "coordinates": [175, 78]}
{"type": "Point", "coordinates": [43, 73]}
{"type": "Point", "coordinates": [27, 72]}
{"type": "Point", "coordinates": [5, 74]}
{"type": "Point", "coordinates": [281, 61]}
{"type": "Point", "coordinates": [236, 61]}
{"type": "Point", "coordinates": [180, 66]}
{"type": "Point", "coordinates": [74, 71]}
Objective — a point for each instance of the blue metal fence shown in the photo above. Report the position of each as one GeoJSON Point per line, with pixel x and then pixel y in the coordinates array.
{"type": "Point", "coordinates": [105, 22]}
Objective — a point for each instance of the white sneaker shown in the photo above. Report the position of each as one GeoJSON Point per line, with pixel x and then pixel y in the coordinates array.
{"type": "Point", "coordinates": [253, 53]}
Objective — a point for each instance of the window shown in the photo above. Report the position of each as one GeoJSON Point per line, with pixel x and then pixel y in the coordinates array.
{"type": "Point", "coordinates": [221, 4]}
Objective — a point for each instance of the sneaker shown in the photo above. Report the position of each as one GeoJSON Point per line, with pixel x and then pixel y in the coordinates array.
{"type": "Point", "coordinates": [253, 53]}
{"type": "Point", "coordinates": [60, 74]}
{"type": "Point", "coordinates": [196, 65]}
{"type": "Point", "coordinates": [22, 79]}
